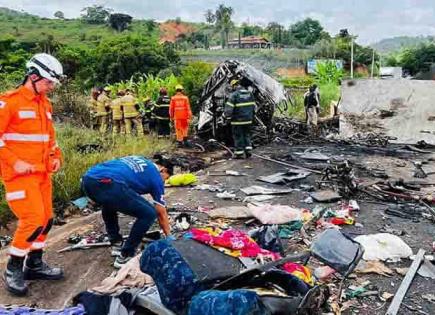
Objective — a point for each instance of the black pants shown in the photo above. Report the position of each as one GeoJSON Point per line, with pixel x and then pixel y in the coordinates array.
{"type": "Point", "coordinates": [242, 139]}
{"type": "Point", "coordinates": [117, 197]}
{"type": "Point", "coordinates": [163, 128]}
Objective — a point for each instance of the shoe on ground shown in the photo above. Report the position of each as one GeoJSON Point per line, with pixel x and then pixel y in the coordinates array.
{"type": "Point", "coordinates": [116, 249]}
{"type": "Point", "coordinates": [13, 277]}
{"type": "Point", "coordinates": [36, 268]}
{"type": "Point", "coordinates": [121, 261]}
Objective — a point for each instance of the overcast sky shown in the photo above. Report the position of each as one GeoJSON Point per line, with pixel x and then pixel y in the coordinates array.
{"type": "Point", "coordinates": [372, 20]}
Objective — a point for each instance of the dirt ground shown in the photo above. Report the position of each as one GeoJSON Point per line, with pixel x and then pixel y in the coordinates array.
{"type": "Point", "coordinates": [85, 269]}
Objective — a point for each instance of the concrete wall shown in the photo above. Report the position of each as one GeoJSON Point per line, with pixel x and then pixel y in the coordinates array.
{"type": "Point", "coordinates": [410, 105]}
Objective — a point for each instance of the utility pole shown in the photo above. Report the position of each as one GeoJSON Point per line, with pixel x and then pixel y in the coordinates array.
{"type": "Point", "coordinates": [351, 58]}
{"type": "Point", "coordinates": [373, 63]}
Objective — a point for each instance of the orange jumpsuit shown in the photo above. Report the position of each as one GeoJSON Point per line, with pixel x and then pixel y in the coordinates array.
{"type": "Point", "coordinates": [27, 134]}
{"type": "Point", "coordinates": [180, 113]}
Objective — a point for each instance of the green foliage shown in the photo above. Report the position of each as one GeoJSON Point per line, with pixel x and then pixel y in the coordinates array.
{"type": "Point", "coordinates": [147, 86]}
{"type": "Point", "coordinates": [306, 32]}
{"type": "Point", "coordinates": [12, 62]}
{"type": "Point", "coordinates": [96, 14]}
{"type": "Point", "coordinates": [297, 82]}
{"type": "Point", "coordinates": [193, 76]}
{"type": "Point", "coordinates": [417, 59]}
{"type": "Point", "coordinates": [120, 58]}
{"type": "Point", "coordinates": [328, 73]}
{"type": "Point", "coordinates": [222, 21]}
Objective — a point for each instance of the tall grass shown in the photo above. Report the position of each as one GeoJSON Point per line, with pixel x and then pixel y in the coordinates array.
{"type": "Point", "coordinates": [72, 140]}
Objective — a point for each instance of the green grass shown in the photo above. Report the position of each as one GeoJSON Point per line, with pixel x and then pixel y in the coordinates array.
{"type": "Point", "coordinates": [328, 92]}
{"type": "Point", "coordinates": [67, 181]}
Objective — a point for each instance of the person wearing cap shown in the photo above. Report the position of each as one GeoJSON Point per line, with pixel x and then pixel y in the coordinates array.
{"type": "Point", "coordinates": [29, 156]}
{"type": "Point", "coordinates": [118, 186]}
{"type": "Point", "coordinates": [161, 113]}
{"type": "Point", "coordinates": [180, 113]}
{"type": "Point", "coordinates": [240, 110]}
{"type": "Point", "coordinates": [103, 109]}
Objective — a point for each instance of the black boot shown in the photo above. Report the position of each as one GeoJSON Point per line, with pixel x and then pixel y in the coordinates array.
{"type": "Point", "coordinates": [37, 269]}
{"type": "Point", "coordinates": [14, 276]}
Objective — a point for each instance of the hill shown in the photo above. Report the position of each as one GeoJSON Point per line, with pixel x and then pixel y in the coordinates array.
{"type": "Point", "coordinates": [391, 45]}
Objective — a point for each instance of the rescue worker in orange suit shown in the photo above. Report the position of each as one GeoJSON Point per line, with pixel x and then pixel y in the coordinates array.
{"type": "Point", "coordinates": [28, 157]}
{"type": "Point", "coordinates": [180, 114]}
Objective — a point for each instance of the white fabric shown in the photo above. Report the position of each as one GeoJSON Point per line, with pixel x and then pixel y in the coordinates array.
{"type": "Point", "coordinates": [275, 214]}
{"type": "Point", "coordinates": [383, 246]}
{"type": "Point", "coordinates": [16, 195]}
{"type": "Point", "coordinates": [2, 143]}
{"type": "Point", "coordinates": [26, 114]}
{"type": "Point", "coordinates": [128, 276]}
{"type": "Point", "coordinates": [26, 137]}
{"type": "Point", "coordinates": [2, 104]}
{"type": "Point", "coordinates": [49, 116]}
{"type": "Point", "coordinates": [38, 245]}
{"type": "Point", "coordinates": [18, 252]}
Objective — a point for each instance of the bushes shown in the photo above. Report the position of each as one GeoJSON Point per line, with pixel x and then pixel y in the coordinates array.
{"type": "Point", "coordinates": [70, 139]}
{"type": "Point", "coordinates": [193, 76]}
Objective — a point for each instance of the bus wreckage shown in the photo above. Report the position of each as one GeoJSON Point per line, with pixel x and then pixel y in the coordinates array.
{"type": "Point", "coordinates": [269, 95]}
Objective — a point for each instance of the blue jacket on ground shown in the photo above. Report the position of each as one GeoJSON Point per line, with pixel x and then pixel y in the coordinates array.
{"type": "Point", "coordinates": [138, 173]}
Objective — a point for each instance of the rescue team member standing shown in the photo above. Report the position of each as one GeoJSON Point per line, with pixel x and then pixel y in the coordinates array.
{"type": "Point", "coordinates": [28, 157]}
{"type": "Point", "coordinates": [131, 114]}
{"type": "Point", "coordinates": [117, 185]}
{"type": "Point", "coordinates": [312, 107]}
{"type": "Point", "coordinates": [116, 108]}
{"type": "Point", "coordinates": [180, 113]}
{"type": "Point", "coordinates": [103, 110]}
{"type": "Point", "coordinates": [161, 113]}
{"type": "Point", "coordinates": [92, 107]}
{"type": "Point", "coordinates": [240, 109]}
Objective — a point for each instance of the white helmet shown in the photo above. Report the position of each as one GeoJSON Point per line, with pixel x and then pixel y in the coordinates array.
{"type": "Point", "coordinates": [46, 66]}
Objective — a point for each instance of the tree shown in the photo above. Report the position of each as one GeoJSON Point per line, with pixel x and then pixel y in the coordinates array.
{"type": "Point", "coordinates": [210, 18]}
{"type": "Point", "coordinates": [119, 21]}
{"type": "Point", "coordinates": [119, 58]}
{"type": "Point", "coordinates": [59, 15]}
{"type": "Point", "coordinates": [96, 14]}
{"type": "Point", "coordinates": [418, 59]}
{"type": "Point", "coordinates": [223, 22]}
{"type": "Point", "coordinates": [275, 31]}
{"type": "Point", "coordinates": [306, 32]}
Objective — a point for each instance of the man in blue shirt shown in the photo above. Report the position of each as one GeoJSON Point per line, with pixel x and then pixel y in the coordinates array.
{"type": "Point", "coordinates": [118, 186]}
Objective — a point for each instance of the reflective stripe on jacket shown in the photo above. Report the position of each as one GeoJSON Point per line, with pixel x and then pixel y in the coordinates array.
{"type": "Point", "coordinates": [26, 132]}
{"type": "Point", "coordinates": [240, 107]}
{"type": "Point", "coordinates": [129, 105]}
{"type": "Point", "coordinates": [161, 108]}
{"type": "Point", "coordinates": [103, 104]}
{"type": "Point", "coordinates": [116, 107]}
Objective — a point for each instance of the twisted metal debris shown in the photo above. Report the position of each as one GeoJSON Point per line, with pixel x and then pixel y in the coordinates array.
{"type": "Point", "coordinates": [269, 95]}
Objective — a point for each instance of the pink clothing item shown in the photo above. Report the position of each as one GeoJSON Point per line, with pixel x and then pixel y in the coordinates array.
{"type": "Point", "coordinates": [231, 239]}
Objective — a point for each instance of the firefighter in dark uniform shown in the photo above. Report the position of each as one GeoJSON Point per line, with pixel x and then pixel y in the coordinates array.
{"type": "Point", "coordinates": [161, 114]}
{"type": "Point", "coordinates": [240, 109]}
